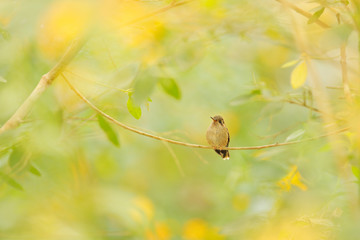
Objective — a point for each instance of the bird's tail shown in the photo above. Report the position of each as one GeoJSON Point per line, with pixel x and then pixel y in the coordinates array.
{"type": "Point", "coordinates": [223, 153]}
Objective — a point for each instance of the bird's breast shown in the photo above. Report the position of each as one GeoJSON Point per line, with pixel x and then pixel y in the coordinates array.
{"type": "Point", "coordinates": [217, 136]}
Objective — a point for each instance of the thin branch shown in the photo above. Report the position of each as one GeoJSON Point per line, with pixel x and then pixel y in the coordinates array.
{"type": "Point", "coordinates": [81, 119]}
{"type": "Point", "coordinates": [109, 53]}
{"type": "Point", "coordinates": [344, 71]}
{"type": "Point", "coordinates": [176, 159]}
{"type": "Point", "coordinates": [99, 83]}
{"type": "Point", "coordinates": [275, 135]}
{"type": "Point", "coordinates": [43, 84]}
{"type": "Point", "coordinates": [311, 108]}
{"type": "Point", "coordinates": [334, 87]}
{"type": "Point", "coordinates": [161, 10]}
{"type": "Point", "coordinates": [303, 12]}
{"type": "Point", "coordinates": [304, 105]}
{"type": "Point", "coordinates": [113, 120]}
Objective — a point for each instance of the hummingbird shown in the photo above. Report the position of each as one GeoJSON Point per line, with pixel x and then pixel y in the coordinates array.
{"type": "Point", "coordinates": [217, 135]}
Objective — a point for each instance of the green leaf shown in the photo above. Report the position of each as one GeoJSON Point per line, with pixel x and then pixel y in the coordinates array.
{"type": "Point", "coordinates": [170, 86]}
{"type": "Point", "coordinates": [15, 157]}
{"type": "Point", "coordinates": [298, 75]}
{"type": "Point", "coordinates": [143, 86]}
{"type": "Point", "coordinates": [295, 135]}
{"type": "Point", "coordinates": [316, 16]}
{"type": "Point", "coordinates": [147, 103]}
{"type": "Point", "coordinates": [10, 181]}
{"type": "Point", "coordinates": [356, 171]}
{"type": "Point", "coordinates": [108, 130]}
{"type": "Point", "coordinates": [290, 63]}
{"type": "Point", "coordinates": [239, 100]}
{"type": "Point", "coordinates": [34, 170]}
{"type": "Point", "coordinates": [133, 109]}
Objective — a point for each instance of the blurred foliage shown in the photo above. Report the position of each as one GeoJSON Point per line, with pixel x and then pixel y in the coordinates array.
{"type": "Point", "coordinates": [265, 68]}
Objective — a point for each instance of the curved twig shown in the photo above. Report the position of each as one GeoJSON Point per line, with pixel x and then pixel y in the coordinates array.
{"type": "Point", "coordinates": [344, 70]}
{"type": "Point", "coordinates": [113, 120]}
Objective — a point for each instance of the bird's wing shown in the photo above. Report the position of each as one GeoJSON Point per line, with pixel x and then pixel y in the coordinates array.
{"type": "Point", "coordinates": [228, 137]}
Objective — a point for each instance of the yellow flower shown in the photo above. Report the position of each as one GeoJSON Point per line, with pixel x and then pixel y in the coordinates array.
{"type": "Point", "coordinates": [292, 178]}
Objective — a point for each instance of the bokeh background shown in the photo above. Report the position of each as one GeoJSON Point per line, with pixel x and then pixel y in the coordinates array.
{"type": "Point", "coordinates": [274, 72]}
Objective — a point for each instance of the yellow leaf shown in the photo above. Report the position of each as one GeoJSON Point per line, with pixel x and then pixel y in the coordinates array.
{"type": "Point", "coordinates": [298, 75]}
{"type": "Point", "coordinates": [296, 181]}
{"type": "Point", "coordinates": [289, 64]}
{"type": "Point", "coordinates": [292, 178]}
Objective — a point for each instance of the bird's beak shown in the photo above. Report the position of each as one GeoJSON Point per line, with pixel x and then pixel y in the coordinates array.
{"type": "Point", "coordinates": [212, 118]}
